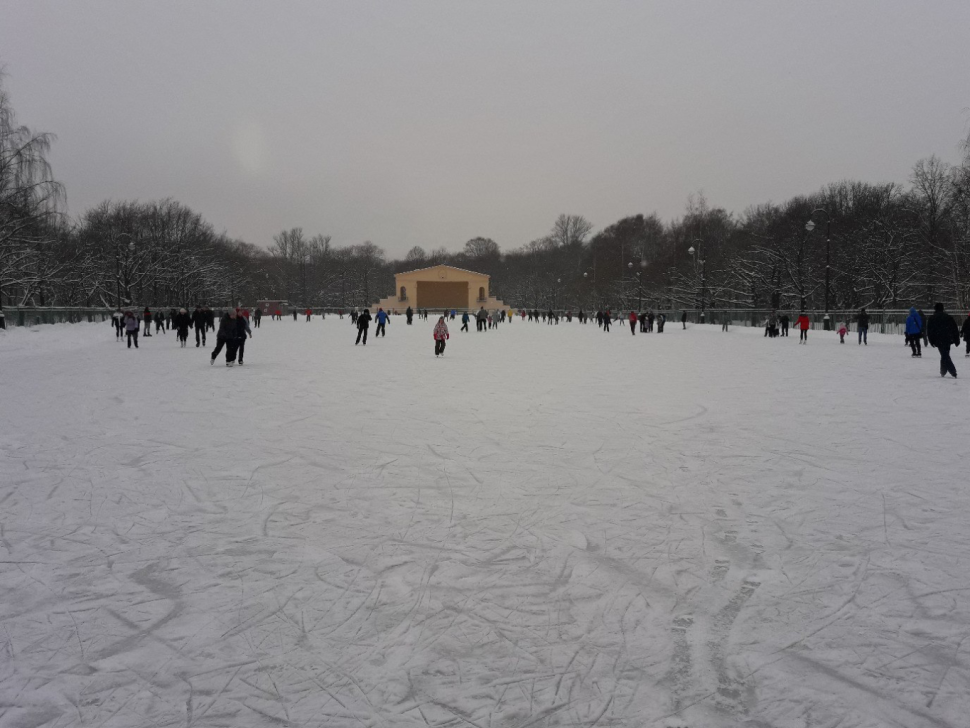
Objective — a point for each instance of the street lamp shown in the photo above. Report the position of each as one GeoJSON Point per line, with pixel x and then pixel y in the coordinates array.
{"type": "Point", "coordinates": [698, 259]}
{"type": "Point", "coordinates": [809, 226]}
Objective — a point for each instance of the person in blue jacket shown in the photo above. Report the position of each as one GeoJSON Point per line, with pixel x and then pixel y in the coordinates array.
{"type": "Point", "coordinates": [381, 321]}
{"type": "Point", "coordinates": [464, 321]}
{"type": "Point", "coordinates": [914, 331]}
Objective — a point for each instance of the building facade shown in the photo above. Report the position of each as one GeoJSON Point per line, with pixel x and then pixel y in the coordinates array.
{"type": "Point", "coordinates": [440, 287]}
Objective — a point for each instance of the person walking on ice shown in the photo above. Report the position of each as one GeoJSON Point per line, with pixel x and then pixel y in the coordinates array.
{"type": "Point", "coordinates": [464, 321]}
{"type": "Point", "coordinates": [943, 333]}
{"type": "Point", "coordinates": [803, 325]}
{"type": "Point", "coordinates": [914, 332]}
{"type": "Point", "coordinates": [966, 333]}
{"type": "Point", "coordinates": [199, 322]}
{"type": "Point", "coordinates": [118, 319]}
{"type": "Point", "coordinates": [363, 323]}
{"type": "Point", "coordinates": [633, 323]}
{"type": "Point", "coordinates": [440, 336]}
{"type": "Point", "coordinates": [842, 332]}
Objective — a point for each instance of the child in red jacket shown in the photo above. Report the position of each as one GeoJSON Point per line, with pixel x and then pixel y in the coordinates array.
{"type": "Point", "coordinates": [842, 332]}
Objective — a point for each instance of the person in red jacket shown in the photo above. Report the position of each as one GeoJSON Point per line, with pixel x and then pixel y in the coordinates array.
{"type": "Point", "coordinates": [309, 312]}
{"type": "Point", "coordinates": [803, 325]}
{"type": "Point", "coordinates": [633, 323]}
{"type": "Point", "coordinates": [440, 336]}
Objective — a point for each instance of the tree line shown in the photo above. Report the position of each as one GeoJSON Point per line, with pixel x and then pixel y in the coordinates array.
{"type": "Point", "coordinates": [851, 244]}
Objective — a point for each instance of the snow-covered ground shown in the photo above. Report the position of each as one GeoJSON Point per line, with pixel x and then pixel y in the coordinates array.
{"type": "Point", "coordinates": [550, 526]}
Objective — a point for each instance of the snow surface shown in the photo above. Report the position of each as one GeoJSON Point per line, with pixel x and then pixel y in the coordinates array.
{"type": "Point", "coordinates": [550, 526]}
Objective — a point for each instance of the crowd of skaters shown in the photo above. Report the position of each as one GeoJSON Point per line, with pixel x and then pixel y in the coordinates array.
{"type": "Point", "coordinates": [938, 330]}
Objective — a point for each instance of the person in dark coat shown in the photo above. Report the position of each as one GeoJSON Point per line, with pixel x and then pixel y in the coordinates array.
{"type": "Point", "coordinates": [966, 333]}
{"type": "Point", "coordinates": [147, 316]}
{"type": "Point", "coordinates": [243, 332]}
{"type": "Point", "coordinates": [683, 320]}
{"type": "Point", "coordinates": [862, 326]}
{"type": "Point", "coordinates": [228, 336]}
{"type": "Point", "coordinates": [410, 314]}
{"type": "Point", "coordinates": [159, 322]}
{"type": "Point", "coordinates": [181, 322]}
{"type": "Point", "coordinates": [943, 333]}
{"type": "Point", "coordinates": [199, 321]}
{"type": "Point", "coordinates": [257, 317]}
{"type": "Point", "coordinates": [363, 324]}
{"type": "Point", "coordinates": [914, 332]}
{"type": "Point", "coordinates": [785, 321]}
{"type": "Point", "coordinates": [926, 337]}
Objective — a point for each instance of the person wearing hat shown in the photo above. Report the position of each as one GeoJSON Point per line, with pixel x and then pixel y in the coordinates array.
{"type": "Point", "coordinates": [181, 322]}
{"type": "Point", "coordinates": [440, 336]}
{"type": "Point", "coordinates": [943, 333]}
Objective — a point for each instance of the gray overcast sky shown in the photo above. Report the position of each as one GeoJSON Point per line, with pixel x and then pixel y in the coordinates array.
{"type": "Point", "coordinates": [430, 123]}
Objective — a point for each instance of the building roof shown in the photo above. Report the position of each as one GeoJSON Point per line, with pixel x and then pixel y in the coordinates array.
{"type": "Point", "coordinates": [442, 265]}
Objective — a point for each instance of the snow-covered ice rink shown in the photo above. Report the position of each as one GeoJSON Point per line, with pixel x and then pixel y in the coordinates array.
{"type": "Point", "coordinates": [550, 526]}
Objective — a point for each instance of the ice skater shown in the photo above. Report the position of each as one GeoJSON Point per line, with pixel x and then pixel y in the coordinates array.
{"type": "Point", "coordinates": [257, 318]}
{"type": "Point", "coordinates": [633, 323]}
{"type": "Point", "coordinates": [363, 324]}
{"type": "Point", "coordinates": [409, 313]}
{"type": "Point", "coordinates": [131, 328]}
{"type": "Point", "coordinates": [464, 321]}
{"type": "Point", "coordinates": [862, 325]}
{"type": "Point", "coordinates": [118, 320]}
{"type": "Point", "coordinates": [914, 332]}
{"type": "Point", "coordinates": [181, 322]}
{"type": "Point", "coordinates": [943, 333]}
{"type": "Point", "coordinates": [843, 330]}
{"type": "Point", "coordinates": [440, 336]}
{"type": "Point", "coordinates": [147, 316]}
{"type": "Point", "coordinates": [381, 323]}
{"type": "Point", "coordinates": [966, 333]}
{"type": "Point", "coordinates": [683, 320]}
{"type": "Point", "coordinates": [200, 322]}
{"type": "Point", "coordinates": [803, 324]}
{"type": "Point", "coordinates": [159, 322]}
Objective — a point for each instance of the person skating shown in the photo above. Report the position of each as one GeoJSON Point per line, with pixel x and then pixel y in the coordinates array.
{"type": "Point", "coordinates": [803, 324]}
{"type": "Point", "coordinates": [242, 333]}
{"type": "Point", "coordinates": [607, 321]}
{"type": "Point", "coordinates": [257, 317]}
{"type": "Point", "coordinates": [683, 320]}
{"type": "Point", "coordinates": [159, 319]}
{"type": "Point", "coordinates": [131, 328]}
{"type": "Point", "coordinates": [381, 322]}
{"type": "Point", "coordinates": [210, 319]}
{"type": "Point", "coordinates": [118, 320]}
{"type": "Point", "coordinates": [914, 332]}
{"type": "Point", "coordinates": [966, 333]}
{"type": "Point", "coordinates": [181, 322]}
{"type": "Point", "coordinates": [661, 320]}
{"type": "Point", "coordinates": [228, 337]}
{"type": "Point", "coordinates": [481, 319]}
{"type": "Point", "coordinates": [943, 333]}
{"type": "Point", "coordinates": [922, 318]}
{"type": "Point", "coordinates": [147, 316]}
{"type": "Point", "coordinates": [170, 322]}
{"type": "Point", "coordinates": [784, 320]}
{"type": "Point", "coordinates": [464, 321]}
{"type": "Point", "coordinates": [843, 330]}
{"type": "Point", "coordinates": [862, 325]}
{"type": "Point", "coordinates": [725, 320]}
{"type": "Point", "coordinates": [440, 336]}
{"type": "Point", "coordinates": [633, 322]}
{"type": "Point", "coordinates": [410, 314]}
{"type": "Point", "coordinates": [363, 324]}
{"type": "Point", "coordinates": [200, 322]}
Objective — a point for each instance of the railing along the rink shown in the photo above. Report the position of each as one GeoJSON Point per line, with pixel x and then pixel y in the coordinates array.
{"type": "Point", "coordinates": [35, 316]}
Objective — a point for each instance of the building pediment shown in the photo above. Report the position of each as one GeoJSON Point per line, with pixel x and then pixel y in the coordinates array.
{"type": "Point", "coordinates": [441, 273]}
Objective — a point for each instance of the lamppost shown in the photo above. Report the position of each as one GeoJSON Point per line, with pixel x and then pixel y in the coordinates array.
{"type": "Point", "coordinates": [558, 286]}
{"type": "Point", "coordinates": [699, 259]}
{"type": "Point", "coordinates": [810, 225]}
{"type": "Point", "coordinates": [643, 266]}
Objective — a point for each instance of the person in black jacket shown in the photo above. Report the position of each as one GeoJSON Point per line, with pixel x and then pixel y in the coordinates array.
{"type": "Point", "coordinates": [363, 323]}
{"type": "Point", "coordinates": [159, 321]}
{"type": "Point", "coordinates": [181, 322]}
{"type": "Point", "coordinates": [199, 321]}
{"type": "Point", "coordinates": [862, 325]}
{"type": "Point", "coordinates": [228, 336]}
{"type": "Point", "coordinates": [966, 333]}
{"type": "Point", "coordinates": [943, 333]}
